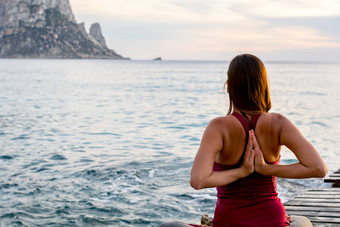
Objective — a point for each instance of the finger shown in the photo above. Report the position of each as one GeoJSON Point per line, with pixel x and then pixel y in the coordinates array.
{"type": "Point", "coordinates": [258, 157]}
{"type": "Point", "coordinates": [252, 156]}
{"type": "Point", "coordinates": [248, 149]}
{"type": "Point", "coordinates": [289, 218]}
{"type": "Point", "coordinates": [247, 153]}
{"type": "Point", "coordinates": [254, 141]}
{"type": "Point", "coordinates": [250, 142]}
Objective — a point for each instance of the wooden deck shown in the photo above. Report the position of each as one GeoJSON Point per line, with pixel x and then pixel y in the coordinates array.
{"type": "Point", "coordinates": [334, 178]}
{"type": "Point", "coordinates": [321, 206]}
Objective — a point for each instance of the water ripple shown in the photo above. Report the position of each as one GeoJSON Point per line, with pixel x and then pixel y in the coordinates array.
{"type": "Point", "coordinates": [111, 143]}
{"type": "Point", "coordinates": [58, 157]}
{"type": "Point", "coordinates": [6, 157]}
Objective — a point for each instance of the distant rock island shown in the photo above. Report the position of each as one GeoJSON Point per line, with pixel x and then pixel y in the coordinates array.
{"type": "Point", "coordinates": [48, 29]}
{"type": "Point", "coordinates": [157, 59]}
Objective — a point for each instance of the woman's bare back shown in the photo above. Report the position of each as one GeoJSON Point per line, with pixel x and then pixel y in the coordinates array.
{"type": "Point", "coordinates": [234, 138]}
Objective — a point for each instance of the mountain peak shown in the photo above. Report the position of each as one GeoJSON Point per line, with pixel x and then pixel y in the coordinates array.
{"type": "Point", "coordinates": [96, 33]}
{"type": "Point", "coordinates": [47, 29]}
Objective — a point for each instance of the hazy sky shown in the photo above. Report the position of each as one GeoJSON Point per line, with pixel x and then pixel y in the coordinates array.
{"type": "Point", "coordinates": [306, 30]}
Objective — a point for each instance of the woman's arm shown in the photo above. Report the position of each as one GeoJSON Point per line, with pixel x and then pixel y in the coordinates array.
{"type": "Point", "coordinates": [202, 174]}
{"type": "Point", "coordinates": [310, 162]}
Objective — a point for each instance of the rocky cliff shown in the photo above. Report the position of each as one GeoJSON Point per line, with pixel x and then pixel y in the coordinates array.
{"type": "Point", "coordinates": [46, 29]}
{"type": "Point", "coordinates": [96, 33]}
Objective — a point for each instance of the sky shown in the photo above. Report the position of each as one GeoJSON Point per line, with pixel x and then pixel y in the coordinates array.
{"type": "Point", "coordinates": [277, 30]}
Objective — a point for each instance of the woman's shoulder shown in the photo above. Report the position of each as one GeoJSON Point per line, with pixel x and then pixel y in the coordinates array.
{"type": "Point", "coordinates": [275, 116]}
{"type": "Point", "coordinates": [223, 123]}
{"type": "Point", "coordinates": [222, 120]}
{"type": "Point", "coordinates": [274, 120]}
{"type": "Point", "coordinates": [217, 121]}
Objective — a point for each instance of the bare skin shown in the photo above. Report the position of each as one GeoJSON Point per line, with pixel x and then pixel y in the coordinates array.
{"type": "Point", "coordinates": [224, 140]}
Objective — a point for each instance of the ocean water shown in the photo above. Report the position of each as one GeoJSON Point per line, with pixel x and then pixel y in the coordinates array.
{"type": "Point", "coordinates": [111, 143]}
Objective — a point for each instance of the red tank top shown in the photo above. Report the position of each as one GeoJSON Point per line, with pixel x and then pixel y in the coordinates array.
{"type": "Point", "coordinates": [250, 201]}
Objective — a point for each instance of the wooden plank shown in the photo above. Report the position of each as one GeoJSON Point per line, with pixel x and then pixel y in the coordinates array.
{"type": "Point", "coordinates": [333, 177]}
{"type": "Point", "coordinates": [324, 220]}
{"type": "Point", "coordinates": [319, 196]}
{"type": "Point", "coordinates": [315, 195]}
{"type": "Point", "coordinates": [323, 189]}
{"type": "Point", "coordinates": [335, 194]}
{"type": "Point", "coordinates": [317, 200]}
{"type": "Point", "coordinates": [316, 209]}
{"type": "Point", "coordinates": [322, 192]}
{"type": "Point", "coordinates": [331, 180]}
{"type": "Point", "coordinates": [313, 214]}
{"type": "Point", "coordinates": [328, 190]}
{"type": "Point", "coordinates": [335, 181]}
{"type": "Point", "coordinates": [308, 204]}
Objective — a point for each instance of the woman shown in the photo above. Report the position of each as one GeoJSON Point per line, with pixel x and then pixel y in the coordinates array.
{"type": "Point", "coordinates": [240, 152]}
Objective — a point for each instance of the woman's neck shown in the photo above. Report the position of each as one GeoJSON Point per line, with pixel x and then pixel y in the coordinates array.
{"type": "Point", "coordinates": [245, 115]}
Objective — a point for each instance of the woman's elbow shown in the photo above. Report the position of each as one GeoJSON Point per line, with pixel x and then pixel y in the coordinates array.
{"type": "Point", "coordinates": [196, 183]}
{"type": "Point", "coordinates": [321, 171]}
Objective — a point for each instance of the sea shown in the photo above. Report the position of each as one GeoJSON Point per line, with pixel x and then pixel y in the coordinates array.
{"type": "Point", "coordinates": [112, 142]}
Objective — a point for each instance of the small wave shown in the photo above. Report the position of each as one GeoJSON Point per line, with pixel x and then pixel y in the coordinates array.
{"type": "Point", "coordinates": [78, 149]}
{"type": "Point", "coordinates": [165, 153]}
{"type": "Point", "coordinates": [41, 169]}
{"type": "Point", "coordinates": [23, 137]}
{"type": "Point", "coordinates": [152, 173]}
{"type": "Point", "coordinates": [14, 223]}
{"type": "Point", "coordinates": [58, 157]}
{"type": "Point", "coordinates": [319, 124]}
{"type": "Point", "coordinates": [108, 209]}
{"type": "Point", "coordinates": [63, 210]}
{"type": "Point", "coordinates": [6, 186]}
{"type": "Point", "coordinates": [6, 157]}
{"type": "Point", "coordinates": [169, 123]}
{"type": "Point", "coordinates": [101, 133]}
{"type": "Point", "coordinates": [17, 215]}
{"type": "Point", "coordinates": [97, 147]}
{"type": "Point", "coordinates": [94, 221]}
{"type": "Point", "coordinates": [91, 172]}
{"type": "Point", "coordinates": [49, 140]}
{"type": "Point", "coordinates": [8, 215]}
{"type": "Point", "coordinates": [176, 127]}
{"type": "Point", "coordinates": [194, 139]}
{"type": "Point", "coordinates": [136, 221]}
{"type": "Point", "coordinates": [184, 196]}
{"type": "Point", "coordinates": [310, 93]}
{"type": "Point", "coordinates": [86, 160]}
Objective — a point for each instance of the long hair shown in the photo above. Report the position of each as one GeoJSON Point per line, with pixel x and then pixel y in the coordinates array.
{"type": "Point", "coordinates": [248, 85]}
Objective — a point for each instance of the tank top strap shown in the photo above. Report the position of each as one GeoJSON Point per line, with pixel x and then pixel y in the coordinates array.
{"type": "Point", "coordinates": [247, 125]}
{"type": "Point", "coordinates": [243, 121]}
{"type": "Point", "coordinates": [254, 120]}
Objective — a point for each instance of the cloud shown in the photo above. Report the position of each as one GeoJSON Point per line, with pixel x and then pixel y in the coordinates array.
{"type": "Point", "coordinates": [289, 8]}
{"type": "Point", "coordinates": [197, 29]}
{"type": "Point", "coordinates": [170, 10]}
